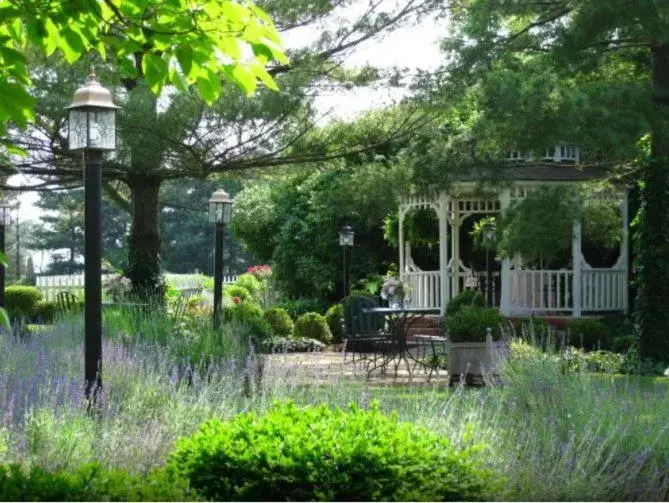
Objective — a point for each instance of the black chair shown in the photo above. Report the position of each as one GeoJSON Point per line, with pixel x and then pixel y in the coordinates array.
{"type": "Point", "coordinates": [364, 332]}
{"type": "Point", "coordinates": [67, 302]}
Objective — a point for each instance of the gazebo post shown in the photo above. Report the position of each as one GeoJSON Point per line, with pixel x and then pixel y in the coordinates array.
{"type": "Point", "coordinates": [576, 268]}
{"type": "Point", "coordinates": [624, 248]}
{"type": "Point", "coordinates": [445, 285]}
{"type": "Point", "coordinates": [505, 293]}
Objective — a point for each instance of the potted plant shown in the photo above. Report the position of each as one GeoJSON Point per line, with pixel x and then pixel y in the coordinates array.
{"type": "Point", "coordinates": [470, 333]}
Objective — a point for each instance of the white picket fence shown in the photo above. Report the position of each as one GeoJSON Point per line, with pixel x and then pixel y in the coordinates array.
{"type": "Point", "coordinates": [50, 285]}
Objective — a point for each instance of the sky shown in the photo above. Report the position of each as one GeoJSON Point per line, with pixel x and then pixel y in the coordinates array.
{"type": "Point", "coordinates": [412, 46]}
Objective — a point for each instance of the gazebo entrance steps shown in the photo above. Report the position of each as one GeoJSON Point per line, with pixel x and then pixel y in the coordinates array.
{"type": "Point", "coordinates": [425, 327]}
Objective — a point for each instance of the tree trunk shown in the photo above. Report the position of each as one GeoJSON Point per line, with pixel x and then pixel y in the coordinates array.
{"type": "Point", "coordinates": [145, 245]}
{"type": "Point", "coordinates": [653, 252]}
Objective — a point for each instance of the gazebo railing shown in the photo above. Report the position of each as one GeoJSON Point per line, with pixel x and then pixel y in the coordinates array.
{"type": "Point", "coordinates": [541, 290]}
{"type": "Point", "coordinates": [531, 291]}
{"type": "Point", "coordinates": [424, 288]}
{"type": "Point", "coordinates": [604, 289]}
{"type": "Point", "coordinates": [552, 290]}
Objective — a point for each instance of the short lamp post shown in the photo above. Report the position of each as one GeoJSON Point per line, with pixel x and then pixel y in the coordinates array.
{"type": "Point", "coordinates": [92, 131]}
{"type": "Point", "coordinates": [489, 236]}
{"type": "Point", "coordinates": [346, 236]}
{"type": "Point", "coordinates": [5, 220]}
{"type": "Point", "coordinates": [220, 212]}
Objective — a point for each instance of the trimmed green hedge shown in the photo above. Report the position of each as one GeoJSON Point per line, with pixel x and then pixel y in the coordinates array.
{"type": "Point", "coordinates": [333, 317]}
{"type": "Point", "coordinates": [21, 301]}
{"type": "Point", "coordinates": [319, 453]}
{"type": "Point", "coordinates": [588, 333]}
{"type": "Point", "coordinates": [465, 298]}
{"type": "Point", "coordinates": [313, 326]}
{"type": "Point", "coordinates": [279, 321]}
{"type": "Point", "coordinates": [470, 324]}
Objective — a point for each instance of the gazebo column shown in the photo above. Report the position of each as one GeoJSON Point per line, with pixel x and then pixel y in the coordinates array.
{"type": "Point", "coordinates": [624, 249]}
{"type": "Point", "coordinates": [444, 283]}
{"type": "Point", "coordinates": [576, 273]}
{"type": "Point", "coordinates": [505, 293]}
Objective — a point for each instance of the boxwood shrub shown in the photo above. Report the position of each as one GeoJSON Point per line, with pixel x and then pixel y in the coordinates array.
{"type": "Point", "coordinates": [319, 453]}
{"type": "Point", "coordinates": [465, 298]}
{"type": "Point", "coordinates": [45, 311]}
{"type": "Point", "coordinates": [279, 321]}
{"type": "Point", "coordinates": [588, 333]}
{"type": "Point", "coordinates": [21, 301]}
{"type": "Point", "coordinates": [313, 326]}
{"type": "Point", "coordinates": [333, 317]}
{"type": "Point", "coordinates": [470, 323]}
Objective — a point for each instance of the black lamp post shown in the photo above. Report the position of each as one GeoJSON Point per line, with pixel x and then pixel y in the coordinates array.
{"type": "Point", "coordinates": [92, 131]}
{"type": "Point", "coordinates": [346, 235]}
{"type": "Point", "coordinates": [18, 242]}
{"type": "Point", "coordinates": [489, 239]}
{"type": "Point", "coordinates": [220, 211]}
{"type": "Point", "coordinates": [5, 220]}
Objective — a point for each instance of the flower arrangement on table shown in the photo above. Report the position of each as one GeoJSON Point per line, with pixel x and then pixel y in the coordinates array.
{"type": "Point", "coordinates": [394, 290]}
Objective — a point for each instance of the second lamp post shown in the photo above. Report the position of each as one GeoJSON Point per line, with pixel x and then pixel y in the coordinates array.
{"type": "Point", "coordinates": [220, 212]}
{"type": "Point", "coordinates": [346, 235]}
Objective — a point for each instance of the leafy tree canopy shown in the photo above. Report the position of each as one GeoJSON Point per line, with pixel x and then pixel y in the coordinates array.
{"type": "Point", "coordinates": [178, 42]}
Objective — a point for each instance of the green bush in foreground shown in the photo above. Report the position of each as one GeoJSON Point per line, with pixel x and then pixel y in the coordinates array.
{"type": "Point", "coordinates": [91, 482]}
{"type": "Point", "coordinates": [320, 453]}
{"type": "Point", "coordinates": [313, 326]}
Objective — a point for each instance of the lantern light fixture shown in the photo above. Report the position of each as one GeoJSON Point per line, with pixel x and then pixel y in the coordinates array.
{"type": "Point", "coordinates": [346, 236]}
{"type": "Point", "coordinates": [92, 117]}
{"type": "Point", "coordinates": [6, 212]}
{"type": "Point", "coordinates": [220, 207]}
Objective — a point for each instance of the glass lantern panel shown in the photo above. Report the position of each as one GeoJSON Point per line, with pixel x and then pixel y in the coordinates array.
{"type": "Point", "coordinates": [226, 213]}
{"type": "Point", "coordinates": [103, 130]}
{"type": "Point", "coordinates": [346, 239]}
{"type": "Point", "coordinates": [77, 129]}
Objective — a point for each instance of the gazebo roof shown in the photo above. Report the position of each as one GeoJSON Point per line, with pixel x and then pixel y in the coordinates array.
{"type": "Point", "coordinates": [535, 172]}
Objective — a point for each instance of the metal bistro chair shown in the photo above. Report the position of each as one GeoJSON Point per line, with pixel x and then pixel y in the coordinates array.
{"type": "Point", "coordinates": [66, 302]}
{"type": "Point", "coordinates": [363, 332]}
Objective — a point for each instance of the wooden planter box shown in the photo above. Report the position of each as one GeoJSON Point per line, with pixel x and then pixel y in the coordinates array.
{"type": "Point", "coordinates": [471, 359]}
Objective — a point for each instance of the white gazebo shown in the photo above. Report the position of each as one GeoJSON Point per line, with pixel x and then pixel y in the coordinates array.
{"type": "Point", "coordinates": [574, 291]}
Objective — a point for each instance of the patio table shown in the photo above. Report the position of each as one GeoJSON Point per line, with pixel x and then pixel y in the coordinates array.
{"type": "Point", "coordinates": [396, 345]}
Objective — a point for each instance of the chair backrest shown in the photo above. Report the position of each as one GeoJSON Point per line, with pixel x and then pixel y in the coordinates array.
{"type": "Point", "coordinates": [66, 301]}
{"type": "Point", "coordinates": [357, 323]}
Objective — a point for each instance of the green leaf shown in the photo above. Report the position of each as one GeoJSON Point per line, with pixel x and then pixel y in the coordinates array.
{"type": "Point", "coordinates": [185, 57]}
{"type": "Point", "coordinates": [155, 71]}
{"type": "Point", "coordinates": [16, 102]}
